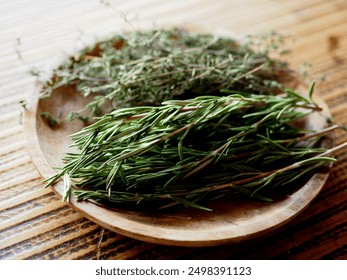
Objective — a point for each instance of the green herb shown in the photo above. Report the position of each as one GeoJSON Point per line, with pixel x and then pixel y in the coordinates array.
{"type": "Point", "coordinates": [148, 67]}
{"type": "Point", "coordinates": [189, 151]}
{"type": "Point", "coordinates": [23, 104]}
{"type": "Point", "coordinates": [52, 121]}
{"type": "Point", "coordinates": [192, 118]}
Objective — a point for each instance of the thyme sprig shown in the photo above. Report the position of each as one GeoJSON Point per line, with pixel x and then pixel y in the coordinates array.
{"type": "Point", "coordinates": [149, 67]}
{"type": "Point", "coordinates": [189, 151]}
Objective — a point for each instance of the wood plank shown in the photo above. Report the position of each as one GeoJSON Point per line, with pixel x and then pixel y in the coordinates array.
{"type": "Point", "coordinates": [47, 225]}
{"type": "Point", "coordinates": [53, 231]}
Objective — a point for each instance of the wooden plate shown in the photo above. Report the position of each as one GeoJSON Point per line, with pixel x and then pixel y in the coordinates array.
{"type": "Point", "coordinates": [231, 220]}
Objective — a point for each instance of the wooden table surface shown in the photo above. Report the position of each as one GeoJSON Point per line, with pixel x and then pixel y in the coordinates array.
{"type": "Point", "coordinates": [35, 224]}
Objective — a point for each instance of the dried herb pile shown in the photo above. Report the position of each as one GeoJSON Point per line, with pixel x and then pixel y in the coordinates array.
{"type": "Point", "coordinates": [193, 118]}
{"type": "Point", "coordinates": [148, 67]}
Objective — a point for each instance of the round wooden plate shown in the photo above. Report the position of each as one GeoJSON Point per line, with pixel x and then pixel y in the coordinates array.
{"type": "Point", "coordinates": [231, 220]}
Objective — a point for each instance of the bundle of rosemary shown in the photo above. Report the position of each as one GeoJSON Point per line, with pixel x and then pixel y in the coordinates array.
{"type": "Point", "coordinates": [194, 118]}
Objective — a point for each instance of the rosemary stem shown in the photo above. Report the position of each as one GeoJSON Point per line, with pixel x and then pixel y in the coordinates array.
{"type": "Point", "coordinates": [334, 150]}
{"type": "Point", "coordinates": [327, 153]}
{"type": "Point", "coordinates": [322, 132]}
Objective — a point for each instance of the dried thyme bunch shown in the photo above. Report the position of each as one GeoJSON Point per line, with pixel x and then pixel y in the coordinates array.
{"type": "Point", "coordinates": [148, 67]}
{"type": "Point", "coordinates": [190, 151]}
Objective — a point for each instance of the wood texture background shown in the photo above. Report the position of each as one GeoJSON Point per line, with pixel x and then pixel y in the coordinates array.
{"type": "Point", "coordinates": [34, 224]}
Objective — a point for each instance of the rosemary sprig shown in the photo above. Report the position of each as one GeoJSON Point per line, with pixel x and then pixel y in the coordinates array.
{"type": "Point", "coordinates": [190, 151]}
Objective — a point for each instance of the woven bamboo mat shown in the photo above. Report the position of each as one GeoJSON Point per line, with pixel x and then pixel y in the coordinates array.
{"type": "Point", "coordinates": [34, 224]}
